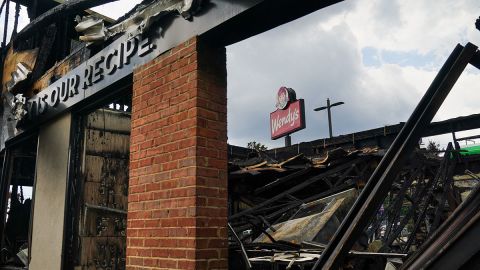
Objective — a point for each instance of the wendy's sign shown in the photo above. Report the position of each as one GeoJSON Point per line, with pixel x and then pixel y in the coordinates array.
{"type": "Point", "coordinates": [289, 116]}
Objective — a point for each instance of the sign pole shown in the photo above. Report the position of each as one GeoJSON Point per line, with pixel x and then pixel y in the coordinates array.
{"type": "Point", "coordinates": [288, 140]}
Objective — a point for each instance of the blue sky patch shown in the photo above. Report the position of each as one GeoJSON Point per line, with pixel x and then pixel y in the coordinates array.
{"type": "Point", "coordinates": [373, 57]}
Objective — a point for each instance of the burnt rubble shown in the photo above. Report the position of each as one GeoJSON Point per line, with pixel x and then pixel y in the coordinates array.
{"type": "Point", "coordinates": [285, 212]}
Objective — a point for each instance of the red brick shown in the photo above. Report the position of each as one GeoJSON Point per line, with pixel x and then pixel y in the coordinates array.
{"type": "Point", "coordinates": [177, 201]}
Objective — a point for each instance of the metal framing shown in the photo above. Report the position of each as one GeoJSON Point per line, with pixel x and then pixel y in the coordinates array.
{"type": "Point", "coordinates": [382, 179]}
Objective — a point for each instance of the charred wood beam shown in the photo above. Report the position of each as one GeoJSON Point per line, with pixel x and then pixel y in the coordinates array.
{"type": "Point", "coordinates": [455, 124]}
{"type": "Point", "coordinates": [382, 178]}
{"type": "Point", "coordinates": [468, 138]}
{"type": "Point", "coordinates": [15, 23]}
{"type": "Point", "coordinates": [45, 52]}
{"type": "Point", "coordinates": [34, 9]}
{"type": "Point", "coordinates": [5, 25]}
{"type": "Point", "coordinates": [2, 6]}
{"type": "Point", "coordinates": [2, 53]}
{"type": "Point", "coordinates": [298, 187]}
{"type": "Point", "coordinates": [387, 134]}
{"type": "Point", "coordinates": [59, 12]}
{"type": "Point", "coordinates": [282, 180]}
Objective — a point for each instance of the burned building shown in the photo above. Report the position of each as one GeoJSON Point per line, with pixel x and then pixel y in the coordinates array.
{"type": "Point", "coordinates": [114, 152]}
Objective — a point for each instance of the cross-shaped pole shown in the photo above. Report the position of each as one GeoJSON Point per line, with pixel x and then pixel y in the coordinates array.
{"type": "Point", "coordinates": [329, 113]}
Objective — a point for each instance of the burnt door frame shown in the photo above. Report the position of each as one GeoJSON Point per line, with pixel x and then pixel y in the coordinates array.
{"type": "Point", "coordinates": [73, 199]}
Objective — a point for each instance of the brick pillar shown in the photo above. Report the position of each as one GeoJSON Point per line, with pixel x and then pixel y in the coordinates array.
{"type": "Point", "coordinates": [177, 202]}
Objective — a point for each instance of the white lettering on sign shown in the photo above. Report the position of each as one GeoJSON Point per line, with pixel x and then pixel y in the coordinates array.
{"type": "Point", "coordinates": [284, 122]}
{"type": "Point", "coordinates": [100, 67]}
{"type": "Point", "coordinates": [288, 120]}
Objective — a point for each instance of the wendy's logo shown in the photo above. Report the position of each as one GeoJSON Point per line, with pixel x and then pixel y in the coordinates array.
{"type": "Point", "coordinates": [284, 97]}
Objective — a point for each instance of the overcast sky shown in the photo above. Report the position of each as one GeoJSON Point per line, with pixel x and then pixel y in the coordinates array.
{"type": "Point", "coordinates": [377, 56]}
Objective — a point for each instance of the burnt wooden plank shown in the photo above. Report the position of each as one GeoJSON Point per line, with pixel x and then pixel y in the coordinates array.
{"type": "Point", "coordinates": [109, 120]}
{"type": "Point", "coordinates": [104, 143]}
{"type": "Point", "coordinates": [108, 195]}
{"type": "Point", "coordinates": [99, 252]}
{"type": "Point", "coordinates": [98, 168]}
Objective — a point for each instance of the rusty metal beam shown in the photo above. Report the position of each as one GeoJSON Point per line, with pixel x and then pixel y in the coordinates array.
{"type": "Point", "coordinates": [382, 178]}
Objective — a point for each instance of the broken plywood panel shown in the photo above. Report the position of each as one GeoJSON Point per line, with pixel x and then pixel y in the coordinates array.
{"type": "Point", "coordinates": [316, 221]}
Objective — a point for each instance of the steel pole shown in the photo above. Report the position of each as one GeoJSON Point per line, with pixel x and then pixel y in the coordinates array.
{"type": "Point", "coordinates": [329, 119]}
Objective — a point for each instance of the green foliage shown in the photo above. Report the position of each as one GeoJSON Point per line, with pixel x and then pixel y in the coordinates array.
{"type": "Point", "coordinates": [433, 146]}
{"type": "Point", "coordinates": [256, 146]}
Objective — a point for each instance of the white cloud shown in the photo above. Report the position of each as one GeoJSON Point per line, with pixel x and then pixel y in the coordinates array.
{"type": "Point", "coordinates": [116, 9]}
{"type": "Point", "coordinates": [410, 25]}
{"type": "Point", "coordinates": [320, 56]}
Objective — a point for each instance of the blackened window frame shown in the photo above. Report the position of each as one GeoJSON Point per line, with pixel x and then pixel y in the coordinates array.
{"type": "Point", "coordinates": [7, 159]}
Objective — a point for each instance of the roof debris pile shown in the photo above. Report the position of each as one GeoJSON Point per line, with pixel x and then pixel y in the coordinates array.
{"type": "Point", "coordinates": [284, 213]}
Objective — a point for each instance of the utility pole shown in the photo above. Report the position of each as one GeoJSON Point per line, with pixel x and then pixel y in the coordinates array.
{"type": "Point", "coordinates": [328, 107]}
